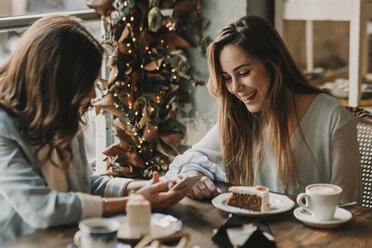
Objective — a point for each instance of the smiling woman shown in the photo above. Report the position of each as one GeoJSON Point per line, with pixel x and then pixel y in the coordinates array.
{"type": "Point", "coordinates": [246, 77]}
{"type": "Point", "coordinates": [274, 129]}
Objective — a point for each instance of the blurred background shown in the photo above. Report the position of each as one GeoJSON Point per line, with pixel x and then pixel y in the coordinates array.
{"type": "Point", "coordinates": [329, 50]}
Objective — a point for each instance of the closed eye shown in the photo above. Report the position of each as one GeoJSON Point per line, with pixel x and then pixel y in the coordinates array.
{"type": "Point", "coordinates": [245, 73]}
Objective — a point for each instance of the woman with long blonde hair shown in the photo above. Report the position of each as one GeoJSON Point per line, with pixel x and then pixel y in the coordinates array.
{"type": "Point", "coordinates": [274, 128]}
{"type": "Point", "coordinates": [45, 179]}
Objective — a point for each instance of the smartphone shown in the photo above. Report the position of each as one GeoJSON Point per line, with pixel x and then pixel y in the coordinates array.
{"type": "Point", "coordinates": [187, 182]}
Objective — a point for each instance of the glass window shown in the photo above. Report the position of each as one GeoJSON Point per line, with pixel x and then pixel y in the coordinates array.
{"type": "Point", "coordinates": [9, 39]}
{"type": "Point", "coordinates": [21, 7]}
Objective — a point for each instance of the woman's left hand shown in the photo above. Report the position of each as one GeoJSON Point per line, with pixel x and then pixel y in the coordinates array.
{"type": "Point", "coordinates": [205, 188]}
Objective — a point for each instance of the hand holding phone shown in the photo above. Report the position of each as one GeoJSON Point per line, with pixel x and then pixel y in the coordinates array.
{"type": "Point", "coordinates": [187, 182]}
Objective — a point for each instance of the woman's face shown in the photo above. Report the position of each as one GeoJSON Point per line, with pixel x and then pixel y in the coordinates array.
{"type": "Point", "coordinates": [245, 76]}
{"type": "Point", "coordinates": [86, 100]}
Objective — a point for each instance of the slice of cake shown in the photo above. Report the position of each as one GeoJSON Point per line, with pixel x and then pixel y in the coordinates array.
{"type": "Point", "coordinates": [254, 198]}
{"type": "Point", "coordinates": [139, 215]}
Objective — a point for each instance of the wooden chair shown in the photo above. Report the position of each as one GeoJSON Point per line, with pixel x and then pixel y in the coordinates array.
{"type": "Point", "coordinates": [363, 120]}
{"type": "Point", "coordinates": [356, 12]}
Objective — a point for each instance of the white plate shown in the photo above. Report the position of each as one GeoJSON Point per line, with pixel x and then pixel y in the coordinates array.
{"type": "Point", "coordinates": [278, 204]}
{"type": "Point", "coordinates": [161, 225]}
{"type": "Point", "coordinates": [341, 216]}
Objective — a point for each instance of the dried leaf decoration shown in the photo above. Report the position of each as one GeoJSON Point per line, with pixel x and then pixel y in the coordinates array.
{"type": "Point", "coordinates": [147, 65]}
{"type": "Point", "coordinates": [107, 103]}
{"type": "Point", "coordinates": [102, 7]}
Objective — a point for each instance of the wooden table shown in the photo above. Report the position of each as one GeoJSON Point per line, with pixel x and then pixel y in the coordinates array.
{"type": "Point", "coordinates": [201, 217]}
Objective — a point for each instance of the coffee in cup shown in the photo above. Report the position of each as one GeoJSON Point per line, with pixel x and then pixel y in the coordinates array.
{"type": "Point", "coordinates": [324, 189]}
{"type": "Point", "coordinates": [321, 200]}
{"type": "Point", "coordinates": [97, 233]}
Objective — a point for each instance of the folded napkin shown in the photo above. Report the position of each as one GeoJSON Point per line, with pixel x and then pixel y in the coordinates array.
{"type": "Point", "coordinates": [235, 234]}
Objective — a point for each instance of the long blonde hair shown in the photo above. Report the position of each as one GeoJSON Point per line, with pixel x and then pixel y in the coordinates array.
{"type": "Point", "coordinates": [239, 129]}
{"type": "Point", "coordinates": [42, 84]}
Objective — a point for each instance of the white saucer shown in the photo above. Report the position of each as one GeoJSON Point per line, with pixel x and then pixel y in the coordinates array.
{"type": "Point", "coordinates": [341, 216]}
{"type": "Point", "coordinates": [161, 225]}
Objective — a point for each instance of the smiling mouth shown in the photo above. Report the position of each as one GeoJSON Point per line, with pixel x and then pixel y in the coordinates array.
{"type": "Point", "coordinates": [250, 97]}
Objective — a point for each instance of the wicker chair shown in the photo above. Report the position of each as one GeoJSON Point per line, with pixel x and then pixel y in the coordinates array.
{"type": "Point", "coordinates": [364, 125]}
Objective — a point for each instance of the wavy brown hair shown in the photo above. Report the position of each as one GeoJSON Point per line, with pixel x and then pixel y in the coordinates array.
{"type": "Point", "coordinates": [42, 84]}
{"type": "Point", "coordinates": [239, 128]}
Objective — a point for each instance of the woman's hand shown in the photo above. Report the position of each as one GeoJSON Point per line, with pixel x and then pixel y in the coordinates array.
{"type": "Point", "coordinates": [159, 195]}
{"type": "Point", "coordinates": [205, 188]}
{"type": "Point", "coordinates": [136, 185]}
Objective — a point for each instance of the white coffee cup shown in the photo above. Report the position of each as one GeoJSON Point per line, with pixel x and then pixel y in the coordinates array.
{"type": "Point", "coordinates": [97, 233]}
{"type": "Point", "coordinates": [321, 200]}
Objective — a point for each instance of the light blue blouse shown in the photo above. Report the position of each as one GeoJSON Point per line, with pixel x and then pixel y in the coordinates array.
{"type": "Point", "coordinates": [331, 135]}
{"type": "Point", "coordinates": [26, 201]}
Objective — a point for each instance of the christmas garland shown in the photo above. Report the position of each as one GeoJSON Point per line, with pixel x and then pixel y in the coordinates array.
{"type": "Point", "coordinates": [144, 46]}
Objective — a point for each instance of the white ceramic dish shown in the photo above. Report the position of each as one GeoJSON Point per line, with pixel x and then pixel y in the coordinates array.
{"type": "Point", "coordinates": [161, 225]}
{"type": "Point", "coordinates": [341, 216]}
{"type": "Point", "coordinates": [278, 204]}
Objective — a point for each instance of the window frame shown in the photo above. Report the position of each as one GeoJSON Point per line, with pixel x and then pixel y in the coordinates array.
{"type": "Point", "coordinates": [9, 23]}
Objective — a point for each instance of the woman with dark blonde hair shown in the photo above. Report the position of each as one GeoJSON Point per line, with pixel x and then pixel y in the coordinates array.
{"type": "Point", "coordinates": [45, 179]}
{"type": "Point", "coordinates": [274, 128]}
